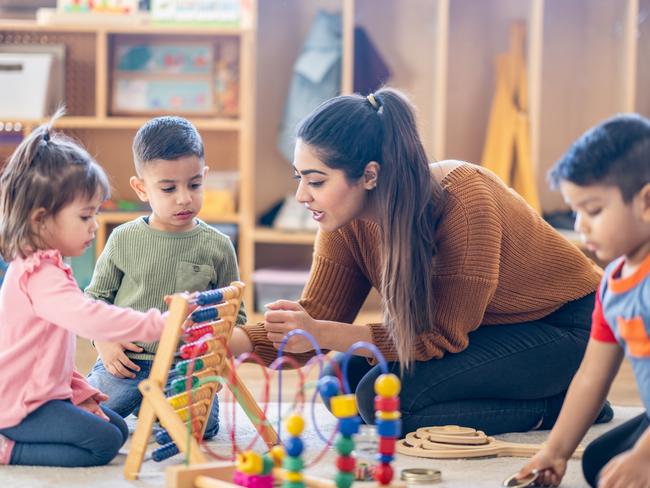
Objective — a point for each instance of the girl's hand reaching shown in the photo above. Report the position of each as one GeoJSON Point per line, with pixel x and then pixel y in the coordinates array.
{"type": "Point", "coordinates": [282, 317]}
{"type": "Point", "coordinates": [92, 405]}
{"type": "Point", "coordinates": [550, 466]}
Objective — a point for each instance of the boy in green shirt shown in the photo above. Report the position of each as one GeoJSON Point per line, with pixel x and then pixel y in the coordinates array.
{"type": "Point", "coordinates": [167, 252]}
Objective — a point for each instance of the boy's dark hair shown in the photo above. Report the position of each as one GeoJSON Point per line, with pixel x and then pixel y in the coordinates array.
{"type": "Point", "coordinates": [616, 152]}
{"type": "Point", "coordinates": [168, 138]}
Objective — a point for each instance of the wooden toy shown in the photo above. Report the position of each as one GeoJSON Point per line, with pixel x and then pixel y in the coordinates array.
{"type": "Point", "coordinates": [208, 329]}
{"type": "Point", "coordinates": [291, 474]}
{"type": "Point", "coordinates": [453, 442]}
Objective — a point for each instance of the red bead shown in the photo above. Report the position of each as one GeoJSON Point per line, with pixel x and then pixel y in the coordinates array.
{"type": "Point", "coordinates": [347, 464]}
{"type": "Point", "coordinates": [386, 445]}
{"type": "Point", "coordinates": [383, 473]}
{"type": "Point", "coordinates": [386, 404]}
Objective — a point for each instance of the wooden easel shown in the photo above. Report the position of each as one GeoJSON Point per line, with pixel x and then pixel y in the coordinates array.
{"type": "Point", "coordinates": [507, 149]}
{"type": "Point", "coordinates": [173, 418]}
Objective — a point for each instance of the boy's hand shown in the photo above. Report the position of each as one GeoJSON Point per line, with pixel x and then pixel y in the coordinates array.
{"type": "Point", "coordinates": [629, 469]}
{"type": "Point", "coordinates": [92, 405]}
{"type": "Point", "coordinates": [551, 468]}
{"type": "Point", "coordinates": [115, 361]}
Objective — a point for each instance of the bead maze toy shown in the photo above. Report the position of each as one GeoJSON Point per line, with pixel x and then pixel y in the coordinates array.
{"type": "Point", "coordinates": [454, 442]}
{"type": "Point", "coordinates": [183, 415]}
{"type": "Point", "coordinates": [285, 464]}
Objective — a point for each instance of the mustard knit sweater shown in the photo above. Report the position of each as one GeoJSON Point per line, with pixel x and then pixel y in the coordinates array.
{"type": "Point", "coordinates": [497, 262]}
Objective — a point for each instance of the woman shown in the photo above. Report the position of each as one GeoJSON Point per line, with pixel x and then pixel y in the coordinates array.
{"type": "Point", "coordinates": [486, 308]}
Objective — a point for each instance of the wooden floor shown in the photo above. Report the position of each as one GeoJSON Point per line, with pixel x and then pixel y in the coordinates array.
{"type": "Point", "coordinates": [624, 390]}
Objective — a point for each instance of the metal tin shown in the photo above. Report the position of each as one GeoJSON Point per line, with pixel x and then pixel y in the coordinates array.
{"type": "Point", "coordinates": [529, 480]}
{"type": "Point", "coordinates": [420, 475]}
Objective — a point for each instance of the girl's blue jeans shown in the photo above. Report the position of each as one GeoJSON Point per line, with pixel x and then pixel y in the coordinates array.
{"type": "Point", "coordinates": [60, 434]}
{"type": "Point", "coordinates": [124, 398]}
{"type": "Point", "coordinates": [510, 378]}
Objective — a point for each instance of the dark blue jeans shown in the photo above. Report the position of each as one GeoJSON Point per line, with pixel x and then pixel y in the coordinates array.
{"type": "Point", "coordinates": [125, 398]}
{"type": "Point", "coordinates": [618, 440]}
{"type": "Point", "coordinates": [511, 378]}
{"type": "Point", "coordinates": [60, 434]}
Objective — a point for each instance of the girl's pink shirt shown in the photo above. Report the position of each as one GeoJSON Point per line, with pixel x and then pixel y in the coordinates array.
{"type": "Point", "coordinates": [41, 311]}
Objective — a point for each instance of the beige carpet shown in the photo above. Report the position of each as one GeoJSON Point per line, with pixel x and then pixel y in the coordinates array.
{"type": "Point", "coordinates": [478, 473]}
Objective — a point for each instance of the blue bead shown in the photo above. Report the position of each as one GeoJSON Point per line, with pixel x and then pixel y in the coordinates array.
{"type": "Point", "coordinates": [293, 446]}
{"type": "Point", "coordinates": [349, 425]}
{"type": "Point", "coordinates": [205, 315]}
{"type": "Point", "coordinates": [388, 428]}
{"type": "Point", "coordinates": [164, 452]}
{"type": "Point", "coordinates": [384, 458]}
{"type": "Point", "coordinates": [328, 386]}
{"type": "Point", "coordinates": [162, 437]}
{"type": "Point", "coordinates": [209, 297]}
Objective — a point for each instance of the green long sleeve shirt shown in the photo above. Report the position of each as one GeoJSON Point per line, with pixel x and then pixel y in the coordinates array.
{"type": "Point", "coordinates": [140, 265]}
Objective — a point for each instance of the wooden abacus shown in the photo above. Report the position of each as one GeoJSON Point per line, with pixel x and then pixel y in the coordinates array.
{"type": "Point", "coordinates": [206, 356]}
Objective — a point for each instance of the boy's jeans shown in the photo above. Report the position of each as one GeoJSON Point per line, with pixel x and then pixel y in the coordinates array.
{"type": "Point", "coordinates": [124, 398]}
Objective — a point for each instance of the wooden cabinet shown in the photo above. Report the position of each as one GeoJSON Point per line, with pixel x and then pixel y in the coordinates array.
{"type": "Point", "coordinates": [229, 140]}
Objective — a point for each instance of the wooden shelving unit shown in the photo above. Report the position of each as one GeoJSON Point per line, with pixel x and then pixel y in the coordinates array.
{"type": "Point", "coordinates": [229, 141]}
{"type": "Point", "coordinates": [586, 60]}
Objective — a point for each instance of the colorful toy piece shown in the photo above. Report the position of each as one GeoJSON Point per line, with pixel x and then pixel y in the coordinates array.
{"type": "Point", "coordinates": [389, 425]}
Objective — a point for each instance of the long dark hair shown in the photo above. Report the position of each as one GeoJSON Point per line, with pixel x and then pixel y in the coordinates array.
{"type": "Point", "coordinates": [347, 133]}
{"type": "Point", "coordinates": [47, 170]}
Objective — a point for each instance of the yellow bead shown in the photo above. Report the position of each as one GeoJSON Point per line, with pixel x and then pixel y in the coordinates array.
{"type": "Point", "coordinates": [295, 425]}
{"type": "Point", "coordinates": [344, 405]}
{"type": "Point", "coordinates": [387, 385]}
{"type": "Point", "coordinates": [291, 476]}
{"type": "Point", "coordinates": [388, 415]}
{"type": "Point", "coordinates": [277, 454]}
{"type": "Point", "coordinates": [249, 462]}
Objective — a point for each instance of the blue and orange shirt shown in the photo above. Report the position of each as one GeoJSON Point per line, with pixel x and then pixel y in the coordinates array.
{"type": "Point", "coordinates": [622, 315]}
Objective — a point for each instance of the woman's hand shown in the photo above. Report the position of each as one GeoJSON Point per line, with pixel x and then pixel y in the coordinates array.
{"type": "Point", "coordinates": [550, 466]}
{"type": "Point", "coordinates": [92, 405]}
{"type": "Point", "coordinates": [282, 317]}
{"type": "Point", "coordinates": [630, 469]}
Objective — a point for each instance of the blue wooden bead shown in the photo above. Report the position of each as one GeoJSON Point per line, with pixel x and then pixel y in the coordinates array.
{"type": "Point", "coordinates": [349, 426]}
{"type": "Point", "coordinates": [328, 386]}
{"type": "Point", "coordinates": [293, 446]}
{"type": "Point", "coordinates": [384, 458]}
{"type": "Point", "coordinates": [388, 428]}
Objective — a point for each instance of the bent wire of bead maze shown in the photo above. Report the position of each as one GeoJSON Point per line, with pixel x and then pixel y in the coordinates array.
{"type": "Point", "coordinates": [258, 471]}
{"type": "Point", "coordinates": [184, 415]}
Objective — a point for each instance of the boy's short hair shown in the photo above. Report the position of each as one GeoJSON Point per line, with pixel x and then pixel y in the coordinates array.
{"type": "Point", "coordinates": [168, 138]}
{"type": "Point", "coordinates": [616, 152]}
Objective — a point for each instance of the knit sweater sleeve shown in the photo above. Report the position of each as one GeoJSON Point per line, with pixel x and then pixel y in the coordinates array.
{"type": "Point", "coordinates": [465, 276]}
{"type": "Point", "coordinates": [107, 277]}
{"type": "Point", "coordinates": [335, 291]}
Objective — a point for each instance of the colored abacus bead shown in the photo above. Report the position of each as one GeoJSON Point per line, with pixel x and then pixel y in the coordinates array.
{"type": "Point", "coordinates": [387, 385]}
{"type": "Point", "coordinates": [384, 404]}
{"type": "Point", "coordinates": [383, 473]}
{"type": "Point", "coordinates": [295, 425]}
{"type": "Point", "coordinates": [164, 452]}
{"type": "Point", "coordinates": [205, 315]}
{"type": "Point", "coordinates": [344, 405]}
{"type": "Point", "coordinates": [209, 297]}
